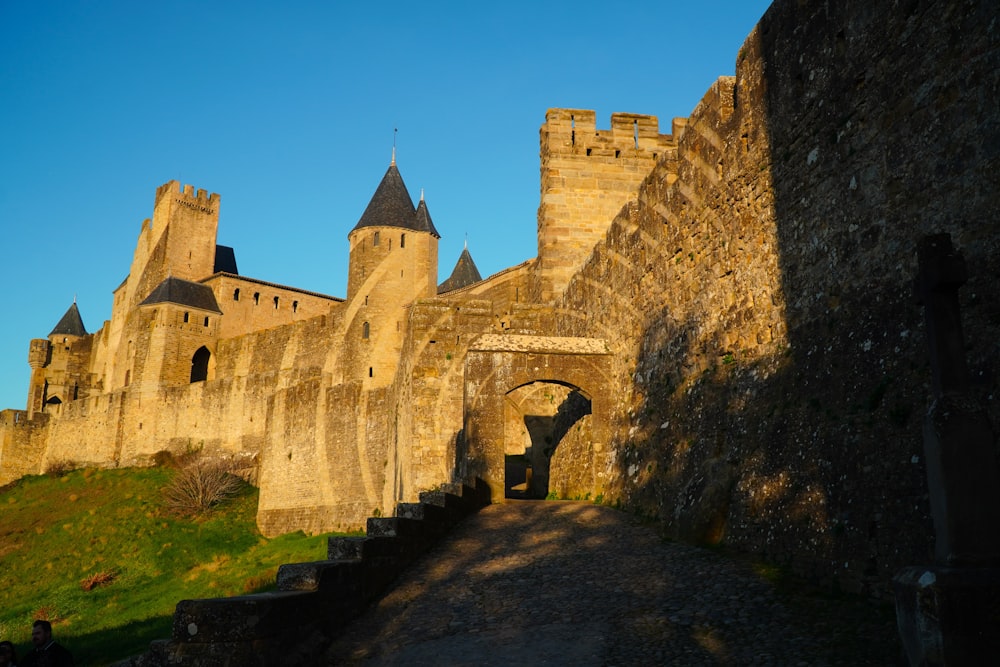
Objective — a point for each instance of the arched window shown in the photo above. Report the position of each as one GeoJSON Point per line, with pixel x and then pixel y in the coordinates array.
{"type": "Point", "coordinates": [206, 321]}
{"type": "Point", "coordinates": [295, 306]}
{"type": "Point", "coordinates": [187, 316]}
{"type": "Point", "coordinates": [236, 294]}
{"type": "Point", "coordinates": [402, 240]}
{"type": "Point", "coordinates": [199, 364]}
{"type": "Point", "coordinates": [256, 298]}
{"type": "Point", "coordinates": [365, 331]}
{"type": "Point", "coordinates": [276, 303]}
{"type": "Point", "coordinates": [375, 239]}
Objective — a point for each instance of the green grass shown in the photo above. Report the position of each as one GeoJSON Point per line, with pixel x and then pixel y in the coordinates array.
{"type": "Point", "coordinates": [57, 532]}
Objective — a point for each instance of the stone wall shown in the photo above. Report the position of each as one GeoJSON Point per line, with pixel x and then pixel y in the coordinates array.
{"type": "Point", "coordinates": [760, 304]}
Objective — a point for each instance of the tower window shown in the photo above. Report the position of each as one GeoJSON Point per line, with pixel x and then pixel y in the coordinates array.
{"type": "Point", "coordinates": [187, 316]}
{"type": "Point", "coordinates": [369, 371]}
{"type": "Point", "coordinates": [365, 331]}
{"type": "Point", "coordinates": [375, 239]}
{"type": "Point", "coordinates": [295, 306]}
{"type": "Point", "coordinates": [276, 303]}
{"type": "Point", "coordinates": [206, 321]}
{"type": "Point", "coordinates": [256, 298]}
{"type": "Point", "coordinates": [236, 294]}
{"type": "Point", "coordinates": [402, 240]}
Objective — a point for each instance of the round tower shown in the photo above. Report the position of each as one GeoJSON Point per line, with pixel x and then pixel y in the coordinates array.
{"type": "Point", "coordinates": [393, 261]}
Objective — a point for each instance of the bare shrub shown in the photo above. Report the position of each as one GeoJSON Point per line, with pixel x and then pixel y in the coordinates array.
{"type": "Point", "coordinates": [92, 581]}
{"type": "Point", "coordinates": [201, 485]}
{"type": "Point", "coordinates": [60, 468]}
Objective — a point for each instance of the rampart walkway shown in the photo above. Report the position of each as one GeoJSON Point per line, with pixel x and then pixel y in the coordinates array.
{"type": "Point", "coordinates": [569, 583]}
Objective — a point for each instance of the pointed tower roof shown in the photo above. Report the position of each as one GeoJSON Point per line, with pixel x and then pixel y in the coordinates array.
{"type": "Point", "coordinates": [465, 273]}
{"type": "Point", "coordinates": [71, 323]}
{"type": "Point", "coordinates": [422, 219]}
{"type": "Point", "coordinates": [390, 206]}
{"type": "Point", "coordinates": [183, 293]}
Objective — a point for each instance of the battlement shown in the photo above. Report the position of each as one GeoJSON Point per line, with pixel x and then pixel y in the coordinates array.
{"type": "Point", "coordinates": [188, 192]}
{"type": "Point", "coordinates": [575, 131]}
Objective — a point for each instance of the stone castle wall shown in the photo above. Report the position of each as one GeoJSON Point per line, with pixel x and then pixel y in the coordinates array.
{"type": "Point", "coordinates": [761, 304]}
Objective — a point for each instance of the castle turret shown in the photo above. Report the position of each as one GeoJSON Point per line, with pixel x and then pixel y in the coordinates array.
{"type": "Point", "coordinates": [59, 368]}
{"type": "Point", "coordinates": [393, 261]}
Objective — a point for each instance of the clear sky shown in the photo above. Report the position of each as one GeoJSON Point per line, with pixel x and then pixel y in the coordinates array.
{"type": "Point", "coordinates": [287, 110]}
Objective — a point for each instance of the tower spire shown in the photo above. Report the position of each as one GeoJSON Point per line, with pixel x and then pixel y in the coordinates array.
{"type": "Point", "coordinates": [394, 131]}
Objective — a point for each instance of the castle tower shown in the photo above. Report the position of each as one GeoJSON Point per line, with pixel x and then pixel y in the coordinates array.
{"type": "Point", "coordinates": [587, 175]}
{"type": "Point", "coordinates": [59, 363]}
{"type": "Point", "coordinates": [191, 221]}
{"type": "Point", "coordinates": [181, 321]}
{"type": "Point", "coordinates": [393, 261]}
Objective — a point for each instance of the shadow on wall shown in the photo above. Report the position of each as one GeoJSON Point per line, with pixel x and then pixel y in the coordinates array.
{"type": "Point", "coordinates": [804, 445]}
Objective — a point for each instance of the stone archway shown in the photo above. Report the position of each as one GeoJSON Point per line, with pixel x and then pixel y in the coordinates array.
{"type": "Point", "coordinates": [503, 377]}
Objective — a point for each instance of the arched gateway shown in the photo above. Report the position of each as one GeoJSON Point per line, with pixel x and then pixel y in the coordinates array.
{"type": "Point", "coordinates": [541, 400]}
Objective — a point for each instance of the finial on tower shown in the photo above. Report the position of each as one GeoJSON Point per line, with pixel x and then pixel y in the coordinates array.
{"type": "Point", "coordinates": [394, 131]}
{"type": "Point", "coordinates": [466, 240]}
{"type": "Point", "coordinates": [421, 194]}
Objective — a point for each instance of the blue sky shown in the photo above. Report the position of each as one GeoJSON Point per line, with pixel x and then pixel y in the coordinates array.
{"type": "Point", "coordinates": [288, 112]}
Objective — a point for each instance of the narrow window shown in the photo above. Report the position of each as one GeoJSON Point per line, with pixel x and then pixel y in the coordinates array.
{"type": "Point", "coordinates": [572, 133]}
{"type": "Point", "coordinates": [187, 316]}
{"type": "Point", "coordinates": [635, 133]}
{"type": "Point", "coordinates": [402, 240]}
{"type": "Point", "coordinates": [276, 303]}
{"type": "Point", "coordinates": [369, 371]}
{"type": "Point", "coordinates": [256, 298]}
{"type": "Point", "coordinates": [375, 240]}
{"type": "Point", "coordinates": [206, 321]}
{"type": "Point", "coordinates": [365, 331]}
{"type": "Point", "coordinates": [366, 299]}
{"type": "Point", "coordinates": [295, 306]}
{"type": "Point", "coordinates": [588, 152]}
{"type": "Point", "coordinates": [76, 391]}
{"type": "Point", "coordinates": [618, 153]}
{"type": "Point", "coordinates": [390, 244]}
{"type": "Point", "coordinates": [236, 294]}
{"type": "Point", "coordinates": [128, 376]}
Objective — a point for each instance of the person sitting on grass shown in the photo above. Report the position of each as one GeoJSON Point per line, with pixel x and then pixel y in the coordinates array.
{"type": "Point", "coordinates": [8, 655]}
{"type": "Point", "coordinates": [47, 652]}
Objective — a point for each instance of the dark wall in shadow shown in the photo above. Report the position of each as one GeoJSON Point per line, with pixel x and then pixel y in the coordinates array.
{"type": "Point", "coordinates": [757, 295]}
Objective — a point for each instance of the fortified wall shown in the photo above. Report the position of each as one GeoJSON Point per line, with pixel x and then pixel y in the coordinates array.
{"type": "Point", "coordinates": [758, 294]}
{"type": "Point", "coordinates": [740, 290]}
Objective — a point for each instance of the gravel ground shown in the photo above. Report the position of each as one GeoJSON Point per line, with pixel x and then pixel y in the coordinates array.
{"type": "Point", "coordinates": [571, 583]}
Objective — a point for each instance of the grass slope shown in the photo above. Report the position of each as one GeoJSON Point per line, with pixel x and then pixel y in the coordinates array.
{"type": "Point", "coordinates": [59, 536]}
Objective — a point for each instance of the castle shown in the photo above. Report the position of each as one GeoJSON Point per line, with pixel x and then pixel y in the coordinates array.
{"type": "Point", "coordinates": [718, 329]}
{"type": "Point", "coordinates": [342, 406]}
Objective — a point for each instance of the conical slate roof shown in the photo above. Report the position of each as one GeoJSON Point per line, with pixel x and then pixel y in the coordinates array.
{"type": "Point", "coordinates": [183, 293]}
{"type": "Point", "coordinates": [465, 273]}
{"type": "Point", "coordinates": [71, 323]}
{"type": "Point", "coordinates": [422, 219]}
{"type": "Point", "coordinates": [391, 205]}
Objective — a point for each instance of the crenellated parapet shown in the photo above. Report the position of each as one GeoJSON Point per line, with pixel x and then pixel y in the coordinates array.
{"type": "Point", "coordinates": [587, 175]}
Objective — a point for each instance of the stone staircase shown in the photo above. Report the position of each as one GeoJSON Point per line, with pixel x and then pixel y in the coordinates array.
{"type": "Point", "coordinates": [314, 601]}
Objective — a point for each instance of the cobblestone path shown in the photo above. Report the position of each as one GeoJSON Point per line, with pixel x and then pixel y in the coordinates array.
{"type": "Point", "coordinates": [571, 583]}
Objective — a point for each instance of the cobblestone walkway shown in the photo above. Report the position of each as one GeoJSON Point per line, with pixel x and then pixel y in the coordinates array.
{"type": "Point", "coordinates": [568, 583]}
